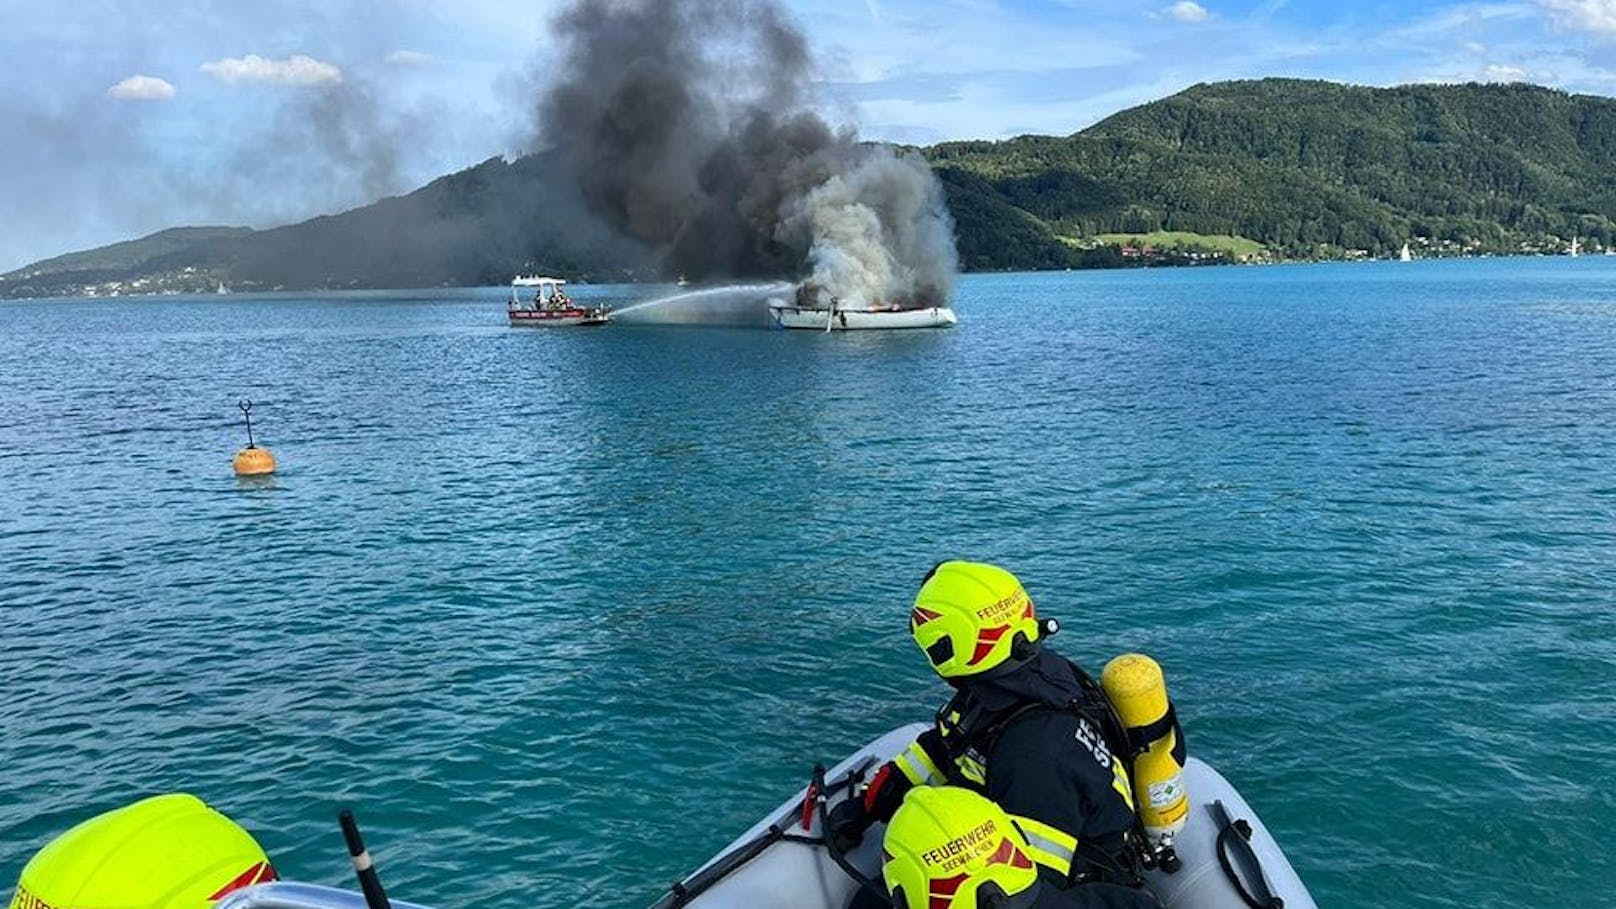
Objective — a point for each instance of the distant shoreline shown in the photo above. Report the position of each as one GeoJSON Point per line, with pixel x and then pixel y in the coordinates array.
{"type": "Point", "coordinates": [1131, 266]}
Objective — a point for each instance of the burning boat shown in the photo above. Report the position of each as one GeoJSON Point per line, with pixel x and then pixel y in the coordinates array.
{"type": "Point", "coordinates": [815, 309]}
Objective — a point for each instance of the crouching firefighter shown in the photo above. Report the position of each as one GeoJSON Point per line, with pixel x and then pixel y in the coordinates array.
{"type": "Point", "coordinates": [948, 846]}
{"type": "Point", "coordinates": [1026, 728]}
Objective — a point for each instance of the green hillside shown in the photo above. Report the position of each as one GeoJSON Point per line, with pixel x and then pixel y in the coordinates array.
{"type": "Point", "coordinates": [1292, 169]}
{"type": "Point", "coordinates": [1293, 164]}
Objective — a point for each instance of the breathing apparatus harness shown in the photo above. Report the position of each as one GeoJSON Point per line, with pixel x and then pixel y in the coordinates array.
{"type": "Point", "coordinates": [970, 727]}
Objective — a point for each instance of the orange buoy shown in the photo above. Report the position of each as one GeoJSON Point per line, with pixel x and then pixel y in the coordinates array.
{"type": "Point", "coordinates": [252, 461]}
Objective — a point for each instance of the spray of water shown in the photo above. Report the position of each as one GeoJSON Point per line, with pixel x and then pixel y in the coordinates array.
{"type": "Point", "coordinates": [740, 304]}
{"type": "Point", "coordinates": [687, 126]}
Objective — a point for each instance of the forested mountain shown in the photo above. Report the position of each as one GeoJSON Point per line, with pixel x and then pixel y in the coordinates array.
{"type": "Point", "coordinates": [1295, 164]}
{"type": "Point", "coordinates": [1304, 168]}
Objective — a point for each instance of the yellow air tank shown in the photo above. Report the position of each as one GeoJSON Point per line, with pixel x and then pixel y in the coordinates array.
{"type": "Point", "coordinates": [165, 852]}
{"type": "Point", "coordinates": [1138, 690]}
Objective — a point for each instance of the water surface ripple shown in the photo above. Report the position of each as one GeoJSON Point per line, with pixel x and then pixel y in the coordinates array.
{"type": "Point", "coordinates": [560, 612]}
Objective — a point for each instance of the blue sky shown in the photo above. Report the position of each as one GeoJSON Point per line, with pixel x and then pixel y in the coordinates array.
{"type": "Point", "coordinates": [127, 116]}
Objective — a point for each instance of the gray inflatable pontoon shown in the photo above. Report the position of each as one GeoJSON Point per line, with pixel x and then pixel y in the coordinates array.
{"type": "Point", "coordinates": [776, 864]}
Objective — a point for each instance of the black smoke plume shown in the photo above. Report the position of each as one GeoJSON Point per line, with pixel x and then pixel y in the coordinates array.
{"type": "Point", "coordinates": [686, 125]}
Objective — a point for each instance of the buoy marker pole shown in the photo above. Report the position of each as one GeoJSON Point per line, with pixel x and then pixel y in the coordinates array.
{"type": "Point", "coordinates": [252, 461]}
{"type": "Point", "coordinates": [364, 867]}
{"type": "Point", "coordinates": [246, 412]}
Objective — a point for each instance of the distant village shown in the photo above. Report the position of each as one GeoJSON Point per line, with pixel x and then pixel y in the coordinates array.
{"type": "Point", "coordinates": [185, 281]}
{"type": "Point", "coordinates": [1142, 252]}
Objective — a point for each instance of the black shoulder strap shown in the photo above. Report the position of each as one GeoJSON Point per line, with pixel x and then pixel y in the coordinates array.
{"type": "Point", "coordinates": [1098, 709]}
{"type": "Point", "coordinates": [976, 727]}
{"type": "Point", "coordinates": [1139, 739]}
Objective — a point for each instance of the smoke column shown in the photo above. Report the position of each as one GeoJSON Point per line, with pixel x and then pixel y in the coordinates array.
{"type": "Point", "coordinates": [686, 126]}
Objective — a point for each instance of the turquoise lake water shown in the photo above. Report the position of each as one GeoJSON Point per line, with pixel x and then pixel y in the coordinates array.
{"type": "Point", "coordinates": [560, 612]}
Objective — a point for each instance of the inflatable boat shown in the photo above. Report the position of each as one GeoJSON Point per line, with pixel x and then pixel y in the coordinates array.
{"type": "Point", "coordinates": [1228, 858]}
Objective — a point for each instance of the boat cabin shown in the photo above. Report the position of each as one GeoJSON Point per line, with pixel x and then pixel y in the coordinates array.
{"type": "Point", "coordinates": [547, 294]}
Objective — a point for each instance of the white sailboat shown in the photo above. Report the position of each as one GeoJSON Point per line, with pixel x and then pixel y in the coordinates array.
{"type": "Point", "coordinates": [1405, 255]}
{"type": "Point", "coordinates": [1576, 248]}
{"type": "Point", "coordinates": [814, 308]}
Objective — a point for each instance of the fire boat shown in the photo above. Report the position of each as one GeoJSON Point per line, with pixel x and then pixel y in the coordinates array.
{"type": "Point", "coordinates": [548, 304]}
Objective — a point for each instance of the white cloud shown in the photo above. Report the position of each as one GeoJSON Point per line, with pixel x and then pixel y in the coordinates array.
{"type": "Point", "coordinates": [1499, 72]}
{"type": "Point", "coordinates": [408, 58]}
{"type": "Point", "coordinates": [1582, 15]}
{"type": "Point", "coordinates": [295, 70]}
{"type": "Point", "coordinates": [1186, 11]}
{"type": "Point", "coordinates": [142, 88]}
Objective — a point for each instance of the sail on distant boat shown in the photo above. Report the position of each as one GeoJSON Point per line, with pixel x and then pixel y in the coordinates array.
{"type": "Point", "coordinates": [1405, 255]}
{"type": "Point", "coordinates": [1576, 249]}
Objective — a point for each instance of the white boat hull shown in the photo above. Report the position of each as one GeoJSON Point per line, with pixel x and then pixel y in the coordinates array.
{"type": "Point", "coordinates": [789, 875]}
{"type": "Point", "coordinates": [860, 319]}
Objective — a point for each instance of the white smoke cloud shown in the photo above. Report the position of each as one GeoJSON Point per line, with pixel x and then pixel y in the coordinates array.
{"type": "Point", "coordinates": [881, 232]}
{"type": "Point", "coordinates": [848, 256]}
{"type": "Point", "coordinates": [142, 88]}
{"type": "Point", "coordinates": [299, 70]}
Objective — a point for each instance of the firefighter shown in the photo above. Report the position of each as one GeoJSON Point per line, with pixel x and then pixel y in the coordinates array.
{"type": "Point", "coordinates": [1026, 728]}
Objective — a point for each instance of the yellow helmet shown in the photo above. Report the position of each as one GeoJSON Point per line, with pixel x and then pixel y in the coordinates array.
{"type": "Point", "coordinates": [968, 617]}
{"type": "Point", "coordinates": [165, 852]}
{"type": "Point", "coordinates": [949, 848]}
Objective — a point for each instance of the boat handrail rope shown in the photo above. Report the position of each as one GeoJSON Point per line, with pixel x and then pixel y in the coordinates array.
{"type": "Point", "coordinates": [1235, 836]}
{"type": "Point", "coordinates": [683, 892]}
{"type": "Point", "coordinates": [852, 779]}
